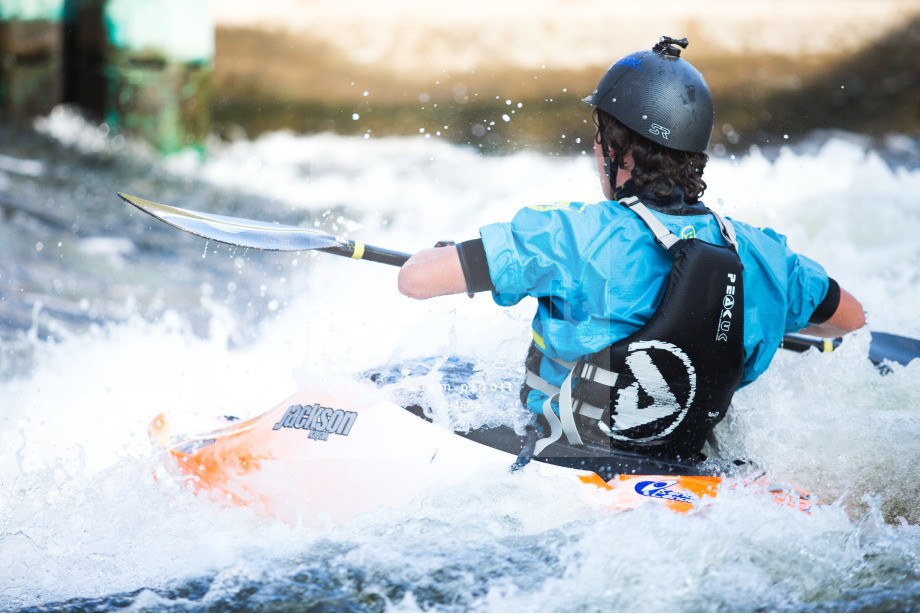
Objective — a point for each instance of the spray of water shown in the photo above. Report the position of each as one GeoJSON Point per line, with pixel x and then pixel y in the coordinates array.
{"type": "Point", "coordinates": [89, 514]}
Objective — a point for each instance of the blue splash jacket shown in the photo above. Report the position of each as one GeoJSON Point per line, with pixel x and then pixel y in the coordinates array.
{"type": "Point", "coordinates": [598, 276]}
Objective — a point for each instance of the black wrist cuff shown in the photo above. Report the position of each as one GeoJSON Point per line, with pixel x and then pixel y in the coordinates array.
{"type": "Point", "coordinates": [828, 306]}
{"type": "Point", "coordinates": [475, 266]}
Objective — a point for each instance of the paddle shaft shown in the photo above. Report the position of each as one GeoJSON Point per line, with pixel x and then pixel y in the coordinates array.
{"type": "Point", "coordinates": [362, 251]}
{"type": "Point", "coordinates": [266, 236]}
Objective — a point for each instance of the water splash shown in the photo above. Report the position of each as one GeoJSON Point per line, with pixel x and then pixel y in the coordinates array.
{"type": "Point", "coordinates": [84, 524]}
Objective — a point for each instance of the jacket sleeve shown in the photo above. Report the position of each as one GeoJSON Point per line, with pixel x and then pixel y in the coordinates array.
{"type": "Point", "coordinates": [784, 290]}
{"type": "Point", "coordinates": [535, 254]}
{"type": "Point", "coordinates": [806, 286]}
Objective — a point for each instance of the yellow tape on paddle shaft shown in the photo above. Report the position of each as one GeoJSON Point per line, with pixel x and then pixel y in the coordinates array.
{"type": "Point", "coordinates": [828, 345]}
{"type": "Point", "coordinates": [358, 254]}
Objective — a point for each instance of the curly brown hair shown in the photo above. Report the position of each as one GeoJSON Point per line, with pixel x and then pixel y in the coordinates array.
{"type": "Point", "coordinates": [656, 168]}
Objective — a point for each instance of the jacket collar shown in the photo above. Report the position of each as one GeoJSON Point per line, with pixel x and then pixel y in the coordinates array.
{"type": "Point", "coordinates": [673, 204]}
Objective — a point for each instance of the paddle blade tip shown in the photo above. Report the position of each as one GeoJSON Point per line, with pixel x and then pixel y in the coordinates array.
{"type": "Point", "coordinates": [147, 206]}
{"type": "Point", "coordinates": [131, 200]}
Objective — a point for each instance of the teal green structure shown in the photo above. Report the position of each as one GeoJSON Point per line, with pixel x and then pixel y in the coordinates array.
{"type": "Point", "coordinates": [142, 66]}
{"type": "Point", "coordinates": [158, 65]}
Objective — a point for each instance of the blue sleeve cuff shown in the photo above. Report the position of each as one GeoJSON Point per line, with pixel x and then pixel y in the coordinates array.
{"type": "Point", "coordinates": [812, 281]}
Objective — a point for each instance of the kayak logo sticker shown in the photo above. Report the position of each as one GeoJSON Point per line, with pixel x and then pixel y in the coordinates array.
{"type": "Point", "coordinates": [319, 421]}
{"type": "Point", "coordinates": [661, 490]}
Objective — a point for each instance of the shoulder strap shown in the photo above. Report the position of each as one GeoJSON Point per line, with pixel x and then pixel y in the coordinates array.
{"type": "Point", "coordinates": [665, 237]}
{"type": "Point", "coordinates": [728, 231]}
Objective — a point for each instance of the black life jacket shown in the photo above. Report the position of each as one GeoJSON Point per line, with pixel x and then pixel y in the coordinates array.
{"type": "Point", "coordinates": [662, 389]}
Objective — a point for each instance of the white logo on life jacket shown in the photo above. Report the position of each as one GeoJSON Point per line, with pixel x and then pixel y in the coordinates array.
{"type": "Point", "coordinates": [664, 404]}
{"type": "Point", "coordinates": [725, 319]}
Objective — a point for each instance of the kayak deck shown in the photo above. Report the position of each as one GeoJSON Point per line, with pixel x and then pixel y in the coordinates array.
{"type": "Point", "coordinates": [320, 458]}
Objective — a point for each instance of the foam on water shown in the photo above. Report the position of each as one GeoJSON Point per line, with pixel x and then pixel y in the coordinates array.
{"type": "Point", "coordinates": [83, 517]}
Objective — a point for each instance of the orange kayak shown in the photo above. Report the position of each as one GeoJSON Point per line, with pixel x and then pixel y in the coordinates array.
{"type": "Point", "coordinates": [321, 458]}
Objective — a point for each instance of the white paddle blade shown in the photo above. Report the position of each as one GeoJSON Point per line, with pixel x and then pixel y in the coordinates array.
{"type": "Point", "coordinates": [238, 231]}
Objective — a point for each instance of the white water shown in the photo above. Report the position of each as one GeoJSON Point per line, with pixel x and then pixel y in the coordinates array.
{"type": "Point", "coordinates": [82, 516]}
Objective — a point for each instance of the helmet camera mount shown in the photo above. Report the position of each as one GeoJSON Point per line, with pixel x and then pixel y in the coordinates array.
{"type": "Point", "coordinates": [666, 46]}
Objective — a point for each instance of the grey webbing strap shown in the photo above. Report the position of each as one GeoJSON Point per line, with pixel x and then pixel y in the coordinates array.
{"type": "Point", "coordinates": [564, 423]}
{"type": "Point", "coordinates": [599, 375]}
{"type": "Point", "coordinates": [607, 378]}
{"type": "Point", "coordinates": [664, 236]}
{"type": "Point", "coordinates": [728, 231]}
{"type": "Point", "coordinates": [555, 427]}
{"type": "Point", "coordinates": [538, 383]}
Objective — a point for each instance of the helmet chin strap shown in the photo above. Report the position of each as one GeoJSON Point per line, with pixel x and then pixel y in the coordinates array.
{"type": "Point", "coordinates": [611, 165]}
{"type": "Point", "coordinates": [612, 168]}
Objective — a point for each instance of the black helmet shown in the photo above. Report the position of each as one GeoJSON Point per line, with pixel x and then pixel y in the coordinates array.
{"type": "Point", "coordinates": [660, 96]}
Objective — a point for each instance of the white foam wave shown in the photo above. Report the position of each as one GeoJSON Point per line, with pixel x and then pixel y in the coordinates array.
{"type": "Point", "coordinates": [80, 513]}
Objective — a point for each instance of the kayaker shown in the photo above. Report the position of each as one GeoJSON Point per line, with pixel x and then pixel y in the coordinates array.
{"type": "Point", "coordinates": [651, 309]}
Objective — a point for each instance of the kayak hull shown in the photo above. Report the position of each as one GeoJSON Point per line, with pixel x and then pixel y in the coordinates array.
{"type": "Point", "coordinates": [320, 458]}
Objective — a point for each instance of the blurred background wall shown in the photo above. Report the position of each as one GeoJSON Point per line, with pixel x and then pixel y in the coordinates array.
{"type": "Point", "coordinates": [142, 67]}
{"type": "Point", "coordinates": [500, 75]}
{"type": "Point", "coordinates": [777, 68]}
